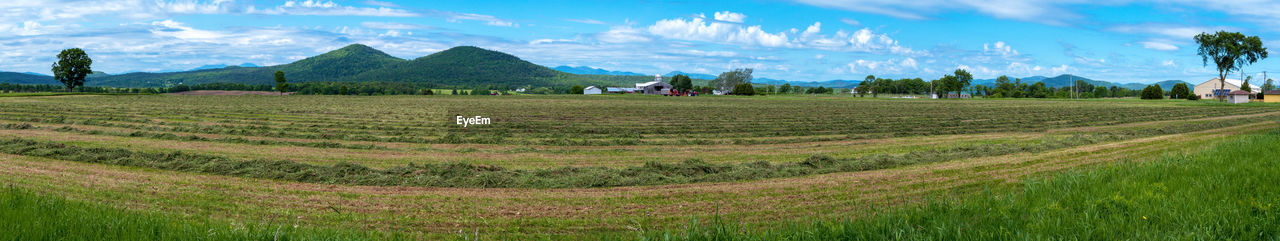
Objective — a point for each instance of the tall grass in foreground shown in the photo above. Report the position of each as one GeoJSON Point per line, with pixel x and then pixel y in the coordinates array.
{"type": "Point", "coordinates": [1230, 192]}
{"type": "Point", "coordinates": [28, 216]}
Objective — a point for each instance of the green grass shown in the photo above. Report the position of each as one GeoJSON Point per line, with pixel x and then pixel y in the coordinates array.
{"type": "Point", "coordinates": [1225, 193]}
{"type": "Point", "coordinates": [39, 94]}
{"type": "Point", "coordinates": [29, 216]}
{"type": "Point", "coordinates": [475, 175]}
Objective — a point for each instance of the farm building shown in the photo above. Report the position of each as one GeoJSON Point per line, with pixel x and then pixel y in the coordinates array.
{"type": "Point", "coordinates": [1210, 88]}
{"type": "Point", "coordinates": [619, 90]}
{"type": "Point", "coordinates": [591, 90]}
{"type": "Point", "coordinates": [655, 87]}
{"type": "Point", "coordinates": [1238, 97]}
{"type": "Point", "coordinates": [1271, 96]}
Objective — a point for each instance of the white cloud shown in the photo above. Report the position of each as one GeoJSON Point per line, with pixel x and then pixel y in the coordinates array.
{"type": "Point", "coordinates": [851, 22]}
{"type": "Point", "coordinates": [329, 8]}
{"type": "Point", "coordinates": [730, 17]}
{"type": "Point", "coordinates": [586, 21]}
{"type": "Point", "coordinates": [487, 19]}
{"type": "Point", "coordinates": [890, 66]}
{"type": "Point", "coordinates": [394, 26]}
{"type": "Point", "coordinates": [623, 34]}
{"type": "Point", "coordinates": [1168, 63]}
{"type": "Point", "coordinates": [1033, 10]}
{"type": "Point", "coordinates": [1156, 45]}
{"type": "Point", "coordinates": [699, 29]}
{"type": "Point", "coordinates": [999, 48]}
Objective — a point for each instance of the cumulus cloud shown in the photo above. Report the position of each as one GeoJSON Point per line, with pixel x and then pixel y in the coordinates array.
{"type": "Point", "coordinates": [725, 30]}
{"type": "Point", "coordinates": [699, 29]}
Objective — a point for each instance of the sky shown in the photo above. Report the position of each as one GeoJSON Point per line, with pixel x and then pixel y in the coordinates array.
{"type": "Point", "coordinates": [798, 40]}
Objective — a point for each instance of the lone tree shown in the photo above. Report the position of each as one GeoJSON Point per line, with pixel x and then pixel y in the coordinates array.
{"type": "Point", "coordinates": [729, 80]}
{"type": "Point", "coordinates": [281, 84]}
{"type": "Point", "coordinates": [1269, 86]}
{"type": "Point", "coordinates": [1229, 52]}
{"type": "Point", "coordinates": [1179, 91]}
{"type": "Point", "coordinates": [72, 67]}
{"type": "Point", "coordinates": [963, 79]}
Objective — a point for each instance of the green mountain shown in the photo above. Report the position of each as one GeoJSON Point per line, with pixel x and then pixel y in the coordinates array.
{"type": "Point", "coordinates": [332, 66]}
{"type": "Point", "coordinates": [464, 65]}
{"type": "Point", "coordinates": [458, 66]}
{"type": "Point", "coordinates": [26, 78]}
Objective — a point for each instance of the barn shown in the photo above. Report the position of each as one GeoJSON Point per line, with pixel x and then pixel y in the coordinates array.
{"type": "Point", "coordinates": [656, 87]}
{"type": "Point", "coordinates": [1211, 89]}
{"type": "Point", "coordinates": [591, 90]}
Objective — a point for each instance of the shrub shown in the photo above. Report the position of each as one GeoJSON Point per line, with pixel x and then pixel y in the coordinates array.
{"type": "Point", "coordinates": [1152, 92]}
{"type": "Point", "coordinates": [743, 89]}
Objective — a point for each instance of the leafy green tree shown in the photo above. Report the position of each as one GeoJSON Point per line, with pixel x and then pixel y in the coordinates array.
{"type": "Point", "coordinates": [1100, 92]}
{"type": "Point", "coordinates": [484, 90]}
{"type": "Point", "coordinates": [963, 79]}
{"type": "Point", "coordinates": [1269, 86]}
{"type": "Point", "coordinates": [281, 85]}
{"type": "Point", "coordinates": [865, 85]}
{"type": "Point", "coordinates": [743, 89]}
{"type": "Point", "coordinates": [1229, 51]}
{"type": "Point", "coordinates": [1152, 92]}
{"type": "Point", "coordinates": [577, 90]}
{"type": "Point", "coordinates": [947, 84]}
{"type": "Point", "coordinates": [1179, 91]}
{"type": "Point", "coordinates": [684, 83]}
{"type": "Point", "coordinates": [72, 67]}
{"type": "Point", "coordinates": [730, 80]}
{"type": "Point", "coordinates": [785, 88]}
{"type": "Point", "coordinates": [1245, 86]}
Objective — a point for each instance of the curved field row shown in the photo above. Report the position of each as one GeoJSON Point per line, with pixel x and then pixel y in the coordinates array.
{"type": "Point", "coordinates": [536, 212]}
{"type": "Point", "coordinates": [575, 121]}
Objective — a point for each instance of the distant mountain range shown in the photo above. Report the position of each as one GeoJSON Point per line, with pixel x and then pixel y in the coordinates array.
{"type": "Point", "coordinates": [593, 71]}
{"type": "Point", "coordinates": [219, 66]}
{"type": "Point", "coordinates": [458, 66]}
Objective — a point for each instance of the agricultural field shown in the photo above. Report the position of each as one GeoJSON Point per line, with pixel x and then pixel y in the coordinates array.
{"type": "Point", "coordinates": [570, 167]}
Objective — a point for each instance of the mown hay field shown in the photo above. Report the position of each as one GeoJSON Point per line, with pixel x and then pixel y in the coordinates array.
{"type": "Point", "coordinates": [566, 166]}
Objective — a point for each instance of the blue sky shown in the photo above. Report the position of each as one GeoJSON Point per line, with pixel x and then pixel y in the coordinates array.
{"type": "Point", "coordinates": [799, 40]}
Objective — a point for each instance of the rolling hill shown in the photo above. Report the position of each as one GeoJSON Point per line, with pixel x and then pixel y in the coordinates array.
{"type": "Point", "coordinates": [464, 65]}
{"type": "Point", "coordinates": [458, 66]}
{"type": "Point", "coordinates": [26, 78]}
{"type": "Point", "coordinates": [332, 66]}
